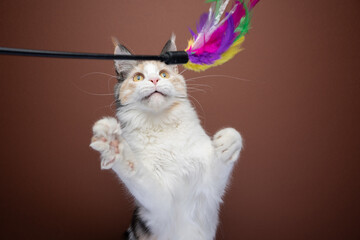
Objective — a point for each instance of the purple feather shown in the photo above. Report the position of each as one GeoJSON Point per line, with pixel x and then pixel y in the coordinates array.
{"type": "Point", "coordinates": [192, 33]}
{"type": "Point", "coordinates": [218, 43]}
{"type": "Point", "coordinates": [202, 21]}
{"type": "Point", "coordinates": [228, 36]}
{"type": "Point", "coordinates": [252, 3]}
{"type": "Point", "coordinates": [212, 45]}
{"type": "Point", "coordinates": [204, 58]}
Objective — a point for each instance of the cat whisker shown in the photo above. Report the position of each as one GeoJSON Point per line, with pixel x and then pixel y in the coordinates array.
{"type": "Point", "coordinates": [183, 71]}
{"type": "Point", "coordinates": [100, 73]}
{"type": "Point", "coordinates": [201, 107]}
{"type": "Point", "coordinates": [108, 83]}
{"type": "Point", "coordinates": [224, 76]}
{"type": "Point", "coordinates": [199, 85]}
{"type": "Point", "coordinates": [90, 93]}
{"type": "Point", "coordinates": [110, 107]}
{"type": "Point", "coordinates": [112, 104]}
{"type": "Point", "coordinates": [195, 90]}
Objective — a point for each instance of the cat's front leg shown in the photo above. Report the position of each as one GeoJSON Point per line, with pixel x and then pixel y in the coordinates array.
{"type": "Point", "coordinates": [227, 143]}
{"type": "Point", "coordinates": [112, 147]}
{"type": "Point", "coordinates": [116, 154]}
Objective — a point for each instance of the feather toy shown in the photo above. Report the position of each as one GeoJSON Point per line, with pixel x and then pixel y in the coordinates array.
{"type": "Point", "coordinates": [219, 39]}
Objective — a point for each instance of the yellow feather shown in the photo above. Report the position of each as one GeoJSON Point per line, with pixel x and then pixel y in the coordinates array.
{"type": "Point", "coordinates": [190, 42]}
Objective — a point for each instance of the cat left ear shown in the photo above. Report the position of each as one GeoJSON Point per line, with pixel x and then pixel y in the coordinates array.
{"type": "Point", "coordinates": [122, 67]}
{"type": "Point", "coordinates": [169, 47]}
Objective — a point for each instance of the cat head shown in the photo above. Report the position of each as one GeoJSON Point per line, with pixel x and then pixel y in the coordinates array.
{"type": "Point", "coordinates": [148, 85]}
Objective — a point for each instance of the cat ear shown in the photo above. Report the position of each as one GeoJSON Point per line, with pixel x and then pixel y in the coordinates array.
{"type": "Point", "coordinates": [122, 67]}
{"type": "Point", "coordinates": [170, 46]}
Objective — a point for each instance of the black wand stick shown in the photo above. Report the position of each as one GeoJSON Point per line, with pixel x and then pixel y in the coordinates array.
{"type": "Point", "coordinates": [172, 57]}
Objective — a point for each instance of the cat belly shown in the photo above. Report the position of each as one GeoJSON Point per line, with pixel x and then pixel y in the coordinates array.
{"type": "Point", "coordinates": [189, 217]}
{"type": "Point", "coordinates": [180, 200]}
{"type": "Point", "coordinates": [186, 203]}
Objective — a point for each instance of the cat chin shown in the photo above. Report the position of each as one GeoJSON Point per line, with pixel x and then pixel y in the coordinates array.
{"type": "Point", "coordinates": [157, 101]}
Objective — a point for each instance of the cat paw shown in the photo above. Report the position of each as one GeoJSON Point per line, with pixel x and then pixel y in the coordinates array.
{"type": "Point", "coordinates": [227, 143]}
{"type": "Point", "coordinates": [106, 140]}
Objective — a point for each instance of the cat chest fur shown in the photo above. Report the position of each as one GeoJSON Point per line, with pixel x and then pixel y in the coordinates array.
{"type": "Point", "coordinates": [172, 154]}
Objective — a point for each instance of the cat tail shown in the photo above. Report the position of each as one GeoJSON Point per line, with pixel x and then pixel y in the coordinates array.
{"type": "Point", "coordinates": [138, 228]}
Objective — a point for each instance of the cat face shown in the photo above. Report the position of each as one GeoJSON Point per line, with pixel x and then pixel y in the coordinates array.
{"type": "Point", "coordinates": [148, 85]}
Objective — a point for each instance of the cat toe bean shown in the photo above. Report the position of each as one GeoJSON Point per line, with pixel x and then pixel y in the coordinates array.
{"type": "Point", "coordinates": [106, 140]}
{"type": "Point", "coordinates": [99, 145]}
{"type": "Point", "coordinates": [227, 143]}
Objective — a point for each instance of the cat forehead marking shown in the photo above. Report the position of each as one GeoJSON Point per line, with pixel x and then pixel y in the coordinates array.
{"type": "Point", "coordinates": [150, 67]}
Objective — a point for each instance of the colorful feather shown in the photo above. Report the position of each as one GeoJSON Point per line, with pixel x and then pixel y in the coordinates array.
{"type": "Point", "coordinates": [219, 39]}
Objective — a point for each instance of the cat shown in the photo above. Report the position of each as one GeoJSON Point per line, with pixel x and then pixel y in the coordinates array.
{"type": "Point", "coordinates": [176, 173]}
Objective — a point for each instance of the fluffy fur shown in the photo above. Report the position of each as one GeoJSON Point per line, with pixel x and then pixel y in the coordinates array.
{"type": "Point", "coordinates": [174, 170]}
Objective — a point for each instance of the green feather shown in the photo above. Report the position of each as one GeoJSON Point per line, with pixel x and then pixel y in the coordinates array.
{"type": "Point", "coordinates": [244, 24]}
{"type": "Point", "coordinates": [218, 4]}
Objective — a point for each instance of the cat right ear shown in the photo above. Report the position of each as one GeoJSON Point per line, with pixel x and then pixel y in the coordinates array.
{"type": "Point", "coordinates": [122, 67]}
{"type": "Point", "coordinates": [170, 46]}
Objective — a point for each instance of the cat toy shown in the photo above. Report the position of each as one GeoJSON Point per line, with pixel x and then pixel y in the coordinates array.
{"type": "Point", "coordinates": [218, 39]}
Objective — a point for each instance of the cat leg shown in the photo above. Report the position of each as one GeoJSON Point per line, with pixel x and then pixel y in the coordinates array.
{"type": "Point", "coordinates": [227, 143]}
{"type": "Point", "coordinates": [108, 141]}
{"type": "Point", "coordinates": [116, 154]}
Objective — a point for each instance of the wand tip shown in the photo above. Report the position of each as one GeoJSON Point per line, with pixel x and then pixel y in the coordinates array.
{"type": "Point", "coordinates": [175, 57]}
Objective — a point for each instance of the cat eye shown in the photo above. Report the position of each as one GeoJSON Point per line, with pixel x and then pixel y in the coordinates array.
{"type": "Point", "coordinates": [164, 74]}
{"type": "Point", "coordinates": [138, 77]}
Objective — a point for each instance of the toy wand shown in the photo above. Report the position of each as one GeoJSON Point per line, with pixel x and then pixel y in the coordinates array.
{"type": "Point", "coordinates": [174, 57]}
{"type": "Point", "coordinates": [218, 39]}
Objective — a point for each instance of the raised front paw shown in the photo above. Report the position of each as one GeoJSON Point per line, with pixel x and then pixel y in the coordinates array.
{"type": "Point", "coordinates": [227, 143]}
{"type": "Point", "coordinates": [106, 139]}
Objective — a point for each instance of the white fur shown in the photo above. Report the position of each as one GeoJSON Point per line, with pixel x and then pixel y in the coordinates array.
{"type": "Point", "coordinates": [174, 170]}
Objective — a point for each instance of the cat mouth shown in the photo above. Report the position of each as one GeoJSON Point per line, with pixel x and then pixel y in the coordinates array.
{"type": "Point", "coordinates": [155, 93]}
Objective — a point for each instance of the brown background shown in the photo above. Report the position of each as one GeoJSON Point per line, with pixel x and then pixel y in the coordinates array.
{"type": "Point", "coordinates": [297, 109]}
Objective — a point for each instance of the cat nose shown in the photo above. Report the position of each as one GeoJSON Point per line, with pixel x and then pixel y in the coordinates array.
{"type": "Point", "coordinates": [154, 81]}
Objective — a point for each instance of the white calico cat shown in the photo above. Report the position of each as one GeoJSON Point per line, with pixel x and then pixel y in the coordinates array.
{"type": "Point", "coordinates": [174, 170]}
